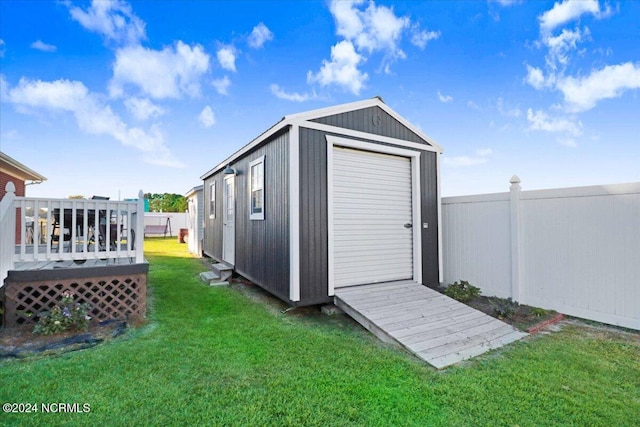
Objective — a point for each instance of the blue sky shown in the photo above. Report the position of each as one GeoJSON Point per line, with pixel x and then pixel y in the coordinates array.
{"type": "Point", "coordinates": [109, 98]}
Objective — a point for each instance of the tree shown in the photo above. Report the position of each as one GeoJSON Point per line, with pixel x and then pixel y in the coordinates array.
{"type": "Point", "coordinates": [166, 202]}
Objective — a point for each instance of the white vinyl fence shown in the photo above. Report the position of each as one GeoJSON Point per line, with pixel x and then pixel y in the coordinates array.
{"type": "Point", "coordinates": [156, 223]}
{"type": "Point", "coordinates": [574, 250]}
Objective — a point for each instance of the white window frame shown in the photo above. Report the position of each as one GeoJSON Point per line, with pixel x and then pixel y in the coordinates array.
{"type": "Point", "coordinates": [212, 200]}
{"type": "Point", "coordinates": [259, 216]}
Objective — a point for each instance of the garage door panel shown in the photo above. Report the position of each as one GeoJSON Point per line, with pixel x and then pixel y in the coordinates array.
{"type": "Point", "coordinates": [371, 205]}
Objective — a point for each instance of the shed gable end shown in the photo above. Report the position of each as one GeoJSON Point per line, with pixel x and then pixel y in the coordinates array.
{"type": "Point", "coordinates": [372, 120]}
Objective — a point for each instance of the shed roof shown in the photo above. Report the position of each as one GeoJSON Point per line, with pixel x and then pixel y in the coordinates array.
{"type": "Point", "coordinates": [292, 119]}
{"type": "Point", "coordinates": [13, 167]}
{"type": "Point", "coordinates": [193, 191]}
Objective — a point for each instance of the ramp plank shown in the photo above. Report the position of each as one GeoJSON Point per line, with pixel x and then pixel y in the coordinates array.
{"type": "Point", "coordinates": [432, 326]}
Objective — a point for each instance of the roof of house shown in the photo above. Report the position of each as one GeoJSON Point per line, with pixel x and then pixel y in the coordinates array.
{"type": "Point", "coordinates": [13, 167]}
{"type": "Point", "coordinates": [291, 119]}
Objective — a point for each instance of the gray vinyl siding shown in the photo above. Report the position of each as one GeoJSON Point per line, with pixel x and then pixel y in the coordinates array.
{"type": "Point", "coordinates": [429, 207]}
{"type": "Point", "coordinates": [364, 120]}
{"type": "Point", "coordinates": [262, 246]}
{"type": "Point", "coordinates": [313, 217]}
{"type": "Point", "coordinates": [212, 238]}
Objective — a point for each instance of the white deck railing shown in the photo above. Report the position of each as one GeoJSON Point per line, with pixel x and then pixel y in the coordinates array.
{"type": "Point", "coordinates": [39, 229]}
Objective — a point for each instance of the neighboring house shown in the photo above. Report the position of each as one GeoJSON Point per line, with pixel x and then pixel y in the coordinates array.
{"type": "Point", "coordinates": [14, 171]}
{"type": "Point", "coordinates": [325, 199]}
{"type": "Point", "coordinates": [195, 219]}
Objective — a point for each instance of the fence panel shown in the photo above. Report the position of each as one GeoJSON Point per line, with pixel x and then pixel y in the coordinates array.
{"type": "Point", "coordinates": [578, 249]}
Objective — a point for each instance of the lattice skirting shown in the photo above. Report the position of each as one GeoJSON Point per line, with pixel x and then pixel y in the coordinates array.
{"type": "Point", "coordinates": [110, 297]}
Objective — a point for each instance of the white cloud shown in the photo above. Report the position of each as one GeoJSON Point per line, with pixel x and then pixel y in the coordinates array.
{"type": "Point", "coordinates": [444, 98]}
{"type": "Point", "coordinates": [568, 142]}
{"type": "Point", "coordinates": [4, 89]}
{"type": "Point", "coordinates": [44, 47]}
{"type": "Point", "coordinates": [207, 117]}
{"type": "Point", "coordinates": [473, 105]}
{"type": "Point", "coordinates": [506, 3]}
{"type": "Point", "coordinates": [112, 19]}
{"type": "Point", "coordinates": [421, 38]}
{"type": "Point", "coordinates": [143, 108]}
{"type": "Point", "coordinates": [168, 73]}
{"type": "Point", "coordinates": [365, 29]}
{"type": "Point", "coordinates": [375, 28]}
{"type": "Point", "coordinates": [506, 111]}
{"type": "Point", "coordinates": [542, 122]}
{"type": "Point", "coordinates": [259, 36]}
{"type": "Point", "coordinates": [222, 85]}
{"type": "Point", "coordinates": [581, 94]}
{"type": "Point", "coordinates": [569, 10]}
{"type": "Point", "coordinates": [342, 70]}
{"type": "Point", "coordinates": [535, 77]}
{"type": "Point", "coordinates": [227, 58]}
{"type": "Point", "coordinates": [459, 161]}
{"type": "Point", "coordinates": [295, 96]}
{"type": "Point", "coordinates": [481, 156]}
{"type": "Point", "coordinates": [92, 116]}
{"type": "Point", "coordinates": [561, 45]}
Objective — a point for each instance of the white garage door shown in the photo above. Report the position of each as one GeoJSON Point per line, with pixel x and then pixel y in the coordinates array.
{"type": "Point", "coordinates": [372, 217]}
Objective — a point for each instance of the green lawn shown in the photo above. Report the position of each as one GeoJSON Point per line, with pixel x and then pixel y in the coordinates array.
{"type": "Point", "coordinates": [213, 356]}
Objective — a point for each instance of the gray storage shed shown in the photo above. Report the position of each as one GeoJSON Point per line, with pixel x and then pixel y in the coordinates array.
{"type": "Point", "coordinates": [335, 197]}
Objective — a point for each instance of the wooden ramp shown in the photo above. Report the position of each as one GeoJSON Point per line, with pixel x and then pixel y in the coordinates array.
{"type": "Point", "coordinates": [434, 327]}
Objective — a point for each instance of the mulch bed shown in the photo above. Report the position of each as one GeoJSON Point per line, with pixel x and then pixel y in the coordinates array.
{"type": "Point", "coordinates": [21, 342]}
{"type": "Point", "coordinates": [526, 318]}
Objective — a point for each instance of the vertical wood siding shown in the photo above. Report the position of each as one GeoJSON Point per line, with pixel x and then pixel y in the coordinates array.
{"type": "Point", "coordinates": [262, 246]}
{"type": "Point", "coordinates": [313, 217]}
{"type": "Point", "coordinates": [429, 212]}
{"type": "Point", "coordinates": [366, 120]}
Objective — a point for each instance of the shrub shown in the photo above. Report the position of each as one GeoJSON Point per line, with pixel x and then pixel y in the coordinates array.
{"type": "Point", "coordinates": [462, 291]}
{"type": "Point", "coordinates": [66, 315]}
{"type": "Point", "coordinates": [539, 312]}
{"type": "Point", "coordinates": [504, 307]}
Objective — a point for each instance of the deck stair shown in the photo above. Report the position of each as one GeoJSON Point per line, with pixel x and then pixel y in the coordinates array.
{"type": "Point", "coordinates": [432, 326]}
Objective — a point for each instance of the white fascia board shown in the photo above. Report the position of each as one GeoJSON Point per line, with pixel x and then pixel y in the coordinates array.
{"type": "Point", "coordinates": [263, 137]}
{"type": "Point", "coordinates": [373, 102]}
{"type": "Point", "coordinates": [411, 127]}
{"type": "Point", "coordinates": [370, 136]}
{"type": "Point", "coordinates": [439, 201]}
{"type": "Point", "coordinates": [335, 109]}
{"type": "Point", "coordinates": [323, 112]}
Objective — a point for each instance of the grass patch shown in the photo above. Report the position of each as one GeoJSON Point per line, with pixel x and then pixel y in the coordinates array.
{"type": "Point", "coordinates": [212, 356]}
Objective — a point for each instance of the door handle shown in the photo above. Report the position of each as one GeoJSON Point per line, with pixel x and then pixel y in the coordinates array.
{"type": "Point", "coordinates": [408, 225]}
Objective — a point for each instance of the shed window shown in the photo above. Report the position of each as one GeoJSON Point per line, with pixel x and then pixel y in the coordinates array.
{"type": "Point", "coordinates": [256, 194]}
{"type": "Point", "coordinates": [212, 200]}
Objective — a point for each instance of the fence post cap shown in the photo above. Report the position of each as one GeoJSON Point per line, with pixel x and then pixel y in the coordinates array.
{"type": "Point", "coordinates": [515, 183]}
{"type": "Point", "coordinates": [10, 187]}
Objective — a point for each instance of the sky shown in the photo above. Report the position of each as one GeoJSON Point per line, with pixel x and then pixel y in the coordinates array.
{"type": "Point", "coordinates": [109, 98]}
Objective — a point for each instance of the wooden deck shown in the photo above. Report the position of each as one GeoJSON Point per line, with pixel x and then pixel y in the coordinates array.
{"type": "Point", "coordinates": [50, 265]}
{"type": "Point", "coordinates": [434, 327]}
